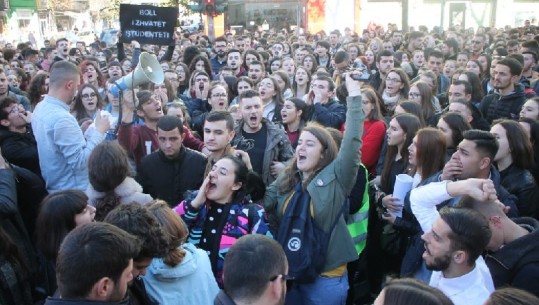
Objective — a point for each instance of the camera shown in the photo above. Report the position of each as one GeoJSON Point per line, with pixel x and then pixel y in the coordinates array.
{"type": "Point", "coordinates": [363, 75]}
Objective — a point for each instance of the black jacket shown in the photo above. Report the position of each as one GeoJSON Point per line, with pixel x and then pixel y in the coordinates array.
{"type": "Point", "coordinates": [520, 183]}
{"type": "Point", "coordinates": [516, 264]}
{"type": "Point", "coordinates": [20, 149]}
{"type": "Point", "coordinates": [494, 106]}
{"type": "Point", "coordinates": [167, 179]}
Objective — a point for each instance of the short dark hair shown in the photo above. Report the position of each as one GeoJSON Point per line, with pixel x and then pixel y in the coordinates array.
{"type": "Point", "coordinates": [220, 39]}
{"type": "Point", "coordinates": [233, 51]}
{"type": "Point", "coordinates": [216, 116]}
{"type": "Point", "coordinates": [5, 103]}
{"type": "Point", "coordinates": [170, 122]}
{"type": "Point", "coordinates": [60, 40]}
{"type": "Point", "coordinates": [467, 85]}
{"type": "Point", "coordinates": [470, 231]}
{"type": "Point", "coordinates": [258, 63]}
{"type": "Point", "coordinates": [138, 221]}
{"type": "Point", "coordinates": [260, 258]}
{"type": "Point", "coordinates": [323, 43]}
{"type": "Point", "coordinates": [329, 80]}
{"type": "Point", "coordinates": [91, 252]}
{"type": "Point", "coordinates": [452, 43]}
{"type": "Point", "coordinates": [341, 56]}
{"type": "Point", "coordinates": [435, 54]}
{"type": "Point", "coordinates": [384, 53]}
{"type": "Point", "coordinates": [514, 66]}
{"type": "Point", "coordinates": [248, 94]}
{"type": "Point", "coordinates": [485, 142]}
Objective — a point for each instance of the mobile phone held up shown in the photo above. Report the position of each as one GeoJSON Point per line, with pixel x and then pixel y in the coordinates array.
{"type": "Point", "coordinates": [363, 74]}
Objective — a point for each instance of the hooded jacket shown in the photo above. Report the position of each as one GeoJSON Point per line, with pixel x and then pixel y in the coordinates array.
{"type": "Point", "coordinates": [494, 106]}
{"type": "Point", "coordinates": [516, 264]}
{"type": "Point", "coordinates": [191, 281]}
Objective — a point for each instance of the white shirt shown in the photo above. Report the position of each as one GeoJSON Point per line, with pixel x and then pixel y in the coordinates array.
{"type": "Point", "coordinates": [469, 289]}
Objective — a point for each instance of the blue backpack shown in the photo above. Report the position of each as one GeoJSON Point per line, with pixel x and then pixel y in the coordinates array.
{"type": "Point", "coordinates": [304, 242]}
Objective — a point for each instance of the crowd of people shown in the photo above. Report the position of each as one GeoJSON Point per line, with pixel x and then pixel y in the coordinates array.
{"type": "Point", "coordinates": [263, 170]}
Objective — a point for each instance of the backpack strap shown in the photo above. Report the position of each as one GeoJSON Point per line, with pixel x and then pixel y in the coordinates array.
{"type": "Point", "coordinates": [341, 211]}
{"type": "Point", "coordinates": [251, 217]}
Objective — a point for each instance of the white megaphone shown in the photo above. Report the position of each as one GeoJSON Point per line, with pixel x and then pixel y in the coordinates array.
{"type": "Point", "coordinates": [147, 70]}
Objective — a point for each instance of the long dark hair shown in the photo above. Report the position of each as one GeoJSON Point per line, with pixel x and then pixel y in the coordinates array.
{"type": "Point", "coordinates": [78, 107]}
{"type": "Point", "coordinates": [430, 155]}
{"type": "Point", "coordinates": [57, 218]}
{"type": "Point", "coordinates": [458, 126]}
{"type": "Point", "coordinates": [108, 167]}
{"type": "Point", "coordinates": [251, 183]}
{"type": "Point", "coordinates": [410, 124]}
{"type": "Point", "coordinates": [519, 143]}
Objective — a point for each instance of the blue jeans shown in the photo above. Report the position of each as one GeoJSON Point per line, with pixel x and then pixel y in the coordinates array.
{"type": "Point", "coordinates": [324, 291]}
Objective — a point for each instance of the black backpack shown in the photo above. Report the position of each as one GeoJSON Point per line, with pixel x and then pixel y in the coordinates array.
{"type": "Point", "coordinates": [304, 242]}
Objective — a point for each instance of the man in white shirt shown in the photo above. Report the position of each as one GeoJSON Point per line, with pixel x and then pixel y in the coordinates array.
{"type": "Point", "coordinates": [455, 239]}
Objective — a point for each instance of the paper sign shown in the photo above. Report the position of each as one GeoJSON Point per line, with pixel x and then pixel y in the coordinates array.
{"type": "Point", "coordinates": [403, 184]}
{"type": "Point", "coordinates": [147, 23]}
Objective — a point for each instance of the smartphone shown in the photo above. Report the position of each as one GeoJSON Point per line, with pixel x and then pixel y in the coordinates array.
{"type": "Point", "coordinates": [102, 64]}
{"type": "Point", "coordinates": [364, 74]}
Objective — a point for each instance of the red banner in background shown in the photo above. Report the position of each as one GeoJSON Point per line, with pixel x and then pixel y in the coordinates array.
{"type": "Point", "coordinates": [316, 15]}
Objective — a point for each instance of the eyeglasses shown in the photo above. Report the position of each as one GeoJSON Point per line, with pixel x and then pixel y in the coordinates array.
{"type": "Point", "coordinates": [285, 277]}
{"type": "Point", "coordinates": [476, 42]}
{"type": "Point", "coordinates": [219, 95]}
{"type": "Point", "coordinates": [91, 95]}
{"type": "Point", "coordinates": [414, 94]}
{"type": "Point", "coordinates": [392, 80]}
{"type": "Point", "coordinates": [15, 110]}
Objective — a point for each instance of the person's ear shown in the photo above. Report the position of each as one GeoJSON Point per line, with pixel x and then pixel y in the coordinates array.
{"type": "Point", "coordinates": [5, 122]}
{"type": "Point", "coordinates": [231, 135]}
{"type": "Point", "coordinates": [459, 257]}
{"type": "Point", "coordinates": [484, 163]}
{"type": "Point", "coordinates": [236, 186]}
{"type": "Point", "coordinates": [103, 288]}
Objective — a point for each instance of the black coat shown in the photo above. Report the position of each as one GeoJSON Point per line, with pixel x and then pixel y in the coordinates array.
{"type": "Point", "coordinates": [520, 183]}
{"type": "Point", "coordinates": [516, 264]}
{"type": "Point", "coordinates": [169, 180]}
{"type": "Point", "coordinates": [20, 149]}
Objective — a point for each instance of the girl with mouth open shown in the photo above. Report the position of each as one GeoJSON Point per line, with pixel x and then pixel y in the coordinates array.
{"type": "Point", "coordinates": [221, 211]}
{"type": "Point", "coordinates": [87, 102]}
{"type": "Point", "coordinates": [322, 176]}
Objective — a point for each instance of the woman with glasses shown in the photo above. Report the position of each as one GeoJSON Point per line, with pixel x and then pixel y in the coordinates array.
{"type": "Point", "coordinates": [221, 211]}
{"type": "Point", "coordinates": [183, 78]}
{"type": "Point", "coordinates": [217, 101]}
{"type": "Point", "coordinates": [396, 87]}
{"type": "Point", "coordinates": [87, 103]}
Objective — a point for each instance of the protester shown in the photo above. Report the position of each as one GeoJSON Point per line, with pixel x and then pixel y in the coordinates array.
{"type": "Point", "coordinates": [220, 212]}
{"type": "Point", "coordinates": [318, 163]}
{"type": "Point", "coordinates": [185, 271]}
{"type": "Point", "coordinates": [63, 149]}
